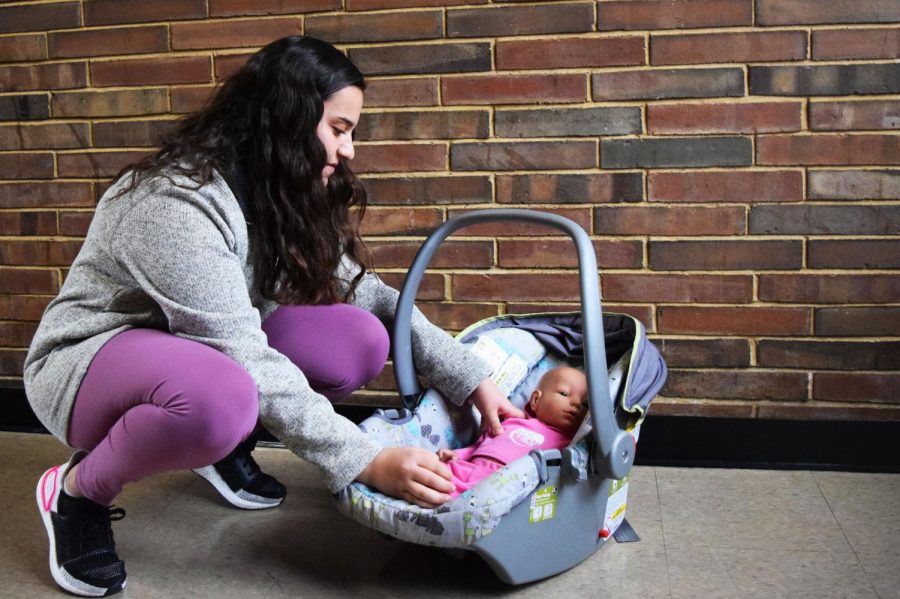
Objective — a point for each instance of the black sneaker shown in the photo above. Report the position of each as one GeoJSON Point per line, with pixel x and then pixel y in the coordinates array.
{"type": "Point", "coordinates": [83, 556]}
{"type": "Point", "coordinates": [239, 480]}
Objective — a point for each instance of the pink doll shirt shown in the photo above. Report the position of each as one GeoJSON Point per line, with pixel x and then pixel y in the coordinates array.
{"type": "Point", "coordinates": [488, 454]}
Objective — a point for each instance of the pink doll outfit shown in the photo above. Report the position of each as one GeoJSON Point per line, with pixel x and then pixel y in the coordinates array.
{"type": "Point", "coordinates": [487, 455]}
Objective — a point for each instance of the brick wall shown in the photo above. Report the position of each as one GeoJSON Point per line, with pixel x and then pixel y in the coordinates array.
{"type": "Point", "coordinates": [737, 163]}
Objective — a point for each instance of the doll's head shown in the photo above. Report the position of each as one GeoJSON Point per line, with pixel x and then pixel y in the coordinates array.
{"type": "Point", "coordinates": [561, 399]}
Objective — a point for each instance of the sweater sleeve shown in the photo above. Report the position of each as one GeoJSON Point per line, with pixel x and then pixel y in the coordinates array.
{"type": "Point", "coordinates": [179, 246]}
{"type": "Point", "coordinates": [444, 362]}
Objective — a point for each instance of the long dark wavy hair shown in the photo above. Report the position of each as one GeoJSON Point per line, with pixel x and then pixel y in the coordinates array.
{"type": "Point", "coordinates": [259, 132]}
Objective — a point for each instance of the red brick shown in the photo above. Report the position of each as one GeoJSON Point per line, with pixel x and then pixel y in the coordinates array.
{"type": "Point", "coordinates": [456, 316]}
{"type": "Point", "coordinates": [151, 71]}
{"type": "Point", "coordinates": [28, 280]}
{"type": "Point", "coordinates": [236, 8]}
{"type": "Point", "coordinates": [43, 77]}
{"type": "Point", "coordinates": [40, 17]}
{"type": "Point", "coordinates": [581, 217]}
{"type": "Point", "coordinates": [27, 166]}
{"type": "Point", "coordinates": [658, 84]}
{"type": "Point", "coordinates": [826, 412]}
{"type": "Point", "coordinates": [108, 42]}
{"type": "Point", "coordinates": [109, 12]}
{"type": "Point", "coordinates": [863, 387]}
{"type": "Point", "coordinates": [808, 12]}
{"type": "Point", "coordinates": [38, 253]}
{"type": "Point", "coordinates": [378, 27]}
{"type": "Point", "coordinates": [513, 89]}
{"type": "Point", "coordinates": [829, 289]}
{"type": "Point", "coordinates": [74, 223]}
{"type": "Point", "coordinates": [137, 102]}
{"type": "Point", "coordinates": [725, 186]}
{"type": "Point", "coordinates": [377, 4]}
{"type": "Point", "coordinates": [673, 288]}
{"type": "Point", "coordinates": [44, 136]}
{"type": "Point", "coordinates": [828, 149]}
{"type": "Point", "coordinates": [232, 34]}
{"type": "Point", "coordinates": [527, 287]}
{"type": "Point", "coordinates": [829, 355]}
{"type": "Point", "coordinates": [690, 320]}
{"type": "Point", "coordinates": [400, 157]}
{"type": "Point", "coordinates": [676, 220]}
{"type": "Point", "coordinates": [421, 91]}
{"type": "Point", "coordinates": [22, 307]}
{"type": "Point", "coordinates": [28, 223]}
{"type": "Point", "coordinates": [708, 353]}
{"type": "Point", "coordinates": [838, 44]}
{"type": "Point", "coordinates": [46, 194]}
{"type": "Point", "coordinates": [117, 134]}
{"type": "Point", "coordinates": [17, 334]}
{"type": "Point", "coordinates": [726, 255]}
{"type": "Point", "coordinates": [570, 53]}
{"type": "Point", "coordinates": [401, 221]}
{"type": "Point", "coordinates": [416, 59]}
{"type": "Point", "coordinates": [18, 48]}
{"type": "Point", "coordinates": [228, 65]}
{"type": "Point", "coordinates": [513, 156]}
{"type": "Point", "coordinates": [97, 164]}
{"type": "Point", "coordinates": [559, 253]}
{"type": "Point", "coordinates": [423, 125]}
{"type": "Point", "coordinates": [453, 254]}
{"type": "Point", "coordinates": [25, 107]}
{"type": "Point", "coordinates": [12, 362]}
{"type": "Point", "coordinates": [756, 46]}
{"type": "Point", "coordinates": [706, 408]}
{"type": "Point", "coordinates": [558, 17]}
{"type": "Point", "coordinates": [849, 116]}
{"type": "Point", "coordinates": [756, 117]}
{"type": "Point", "coordinates": [736, 384]}
{"type": "Point", "coordinates": [431, 287]}
{"type": "Point", "coordinates": [670, 14]}
{"type": "Point", "coordinates": [429, 190]}
{"type": "Point", "coordinates": [597, 188]}
{"type": "Point", "coordinates": [190, 99]}
{"type": "Point", "coordinates": [854, 253]}
{"type": "Point", "coordinates": [857, 322]}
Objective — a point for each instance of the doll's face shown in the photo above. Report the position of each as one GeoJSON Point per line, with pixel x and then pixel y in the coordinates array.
{"type": "Point", "coordinates": [561, 399]}
{"type": "Point", "coordinates": [339, 117]}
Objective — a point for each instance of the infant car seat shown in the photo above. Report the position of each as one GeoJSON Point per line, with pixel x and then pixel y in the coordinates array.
{"type": "Point", "coordinates": [569, 501]}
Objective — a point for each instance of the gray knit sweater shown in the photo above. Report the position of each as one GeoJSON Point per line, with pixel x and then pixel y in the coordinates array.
{"type": "Point", "coordinates": [175, 258]}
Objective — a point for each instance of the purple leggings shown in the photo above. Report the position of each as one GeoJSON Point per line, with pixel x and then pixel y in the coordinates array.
{"type": "Point", "coordinates": [152, 402]}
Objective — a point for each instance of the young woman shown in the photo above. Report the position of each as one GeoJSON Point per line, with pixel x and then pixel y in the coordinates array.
{"type": "Point", "coordinates": [221, 282]}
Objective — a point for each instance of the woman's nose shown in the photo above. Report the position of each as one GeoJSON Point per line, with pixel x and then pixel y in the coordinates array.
{"type": "Point", "coordinates": [345, 150]}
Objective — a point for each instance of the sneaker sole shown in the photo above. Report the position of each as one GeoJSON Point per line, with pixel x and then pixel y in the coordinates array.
{"type": "Point", "coordinates": [45, 494]}
{"type": "Point", "coordinates": [242, 499]}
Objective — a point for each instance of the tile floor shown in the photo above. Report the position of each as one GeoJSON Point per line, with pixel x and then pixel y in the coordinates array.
{"type": "Point", "coordinates": [705, 533]}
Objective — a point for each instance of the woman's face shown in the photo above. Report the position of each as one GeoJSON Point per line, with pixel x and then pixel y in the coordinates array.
{"type": "Point", "coordinates": [339, 118]}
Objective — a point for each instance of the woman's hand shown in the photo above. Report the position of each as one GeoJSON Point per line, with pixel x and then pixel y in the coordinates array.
{"type": "Point", "coordinates": [410, 473]}
{"type": "Point", "coordinates": [493, 406]}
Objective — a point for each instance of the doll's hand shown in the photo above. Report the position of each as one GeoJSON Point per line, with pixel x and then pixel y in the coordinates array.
{"type": "Point", "coordinates": [410, 473]}
{"type": "Point", "coordinates": [493, 406]}
{"type": "Point", "coordinates": [446, 455]}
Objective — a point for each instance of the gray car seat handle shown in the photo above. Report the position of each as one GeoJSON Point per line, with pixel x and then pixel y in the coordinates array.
{"type": "Point", "coordinates": [614, 447]}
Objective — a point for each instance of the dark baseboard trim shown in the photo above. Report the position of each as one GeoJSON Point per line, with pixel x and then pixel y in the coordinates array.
{"type": "Point", "coordinates": [684, 441]}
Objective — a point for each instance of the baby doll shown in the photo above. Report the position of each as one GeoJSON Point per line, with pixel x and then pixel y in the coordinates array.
{"type": "Point", "coordinates": [554, 412]}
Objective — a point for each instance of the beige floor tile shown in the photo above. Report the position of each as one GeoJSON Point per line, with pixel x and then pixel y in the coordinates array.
{"type": "Point", "coordinates": [867, 507]}
{"type": "Point", "coordinates": [746, 509]}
